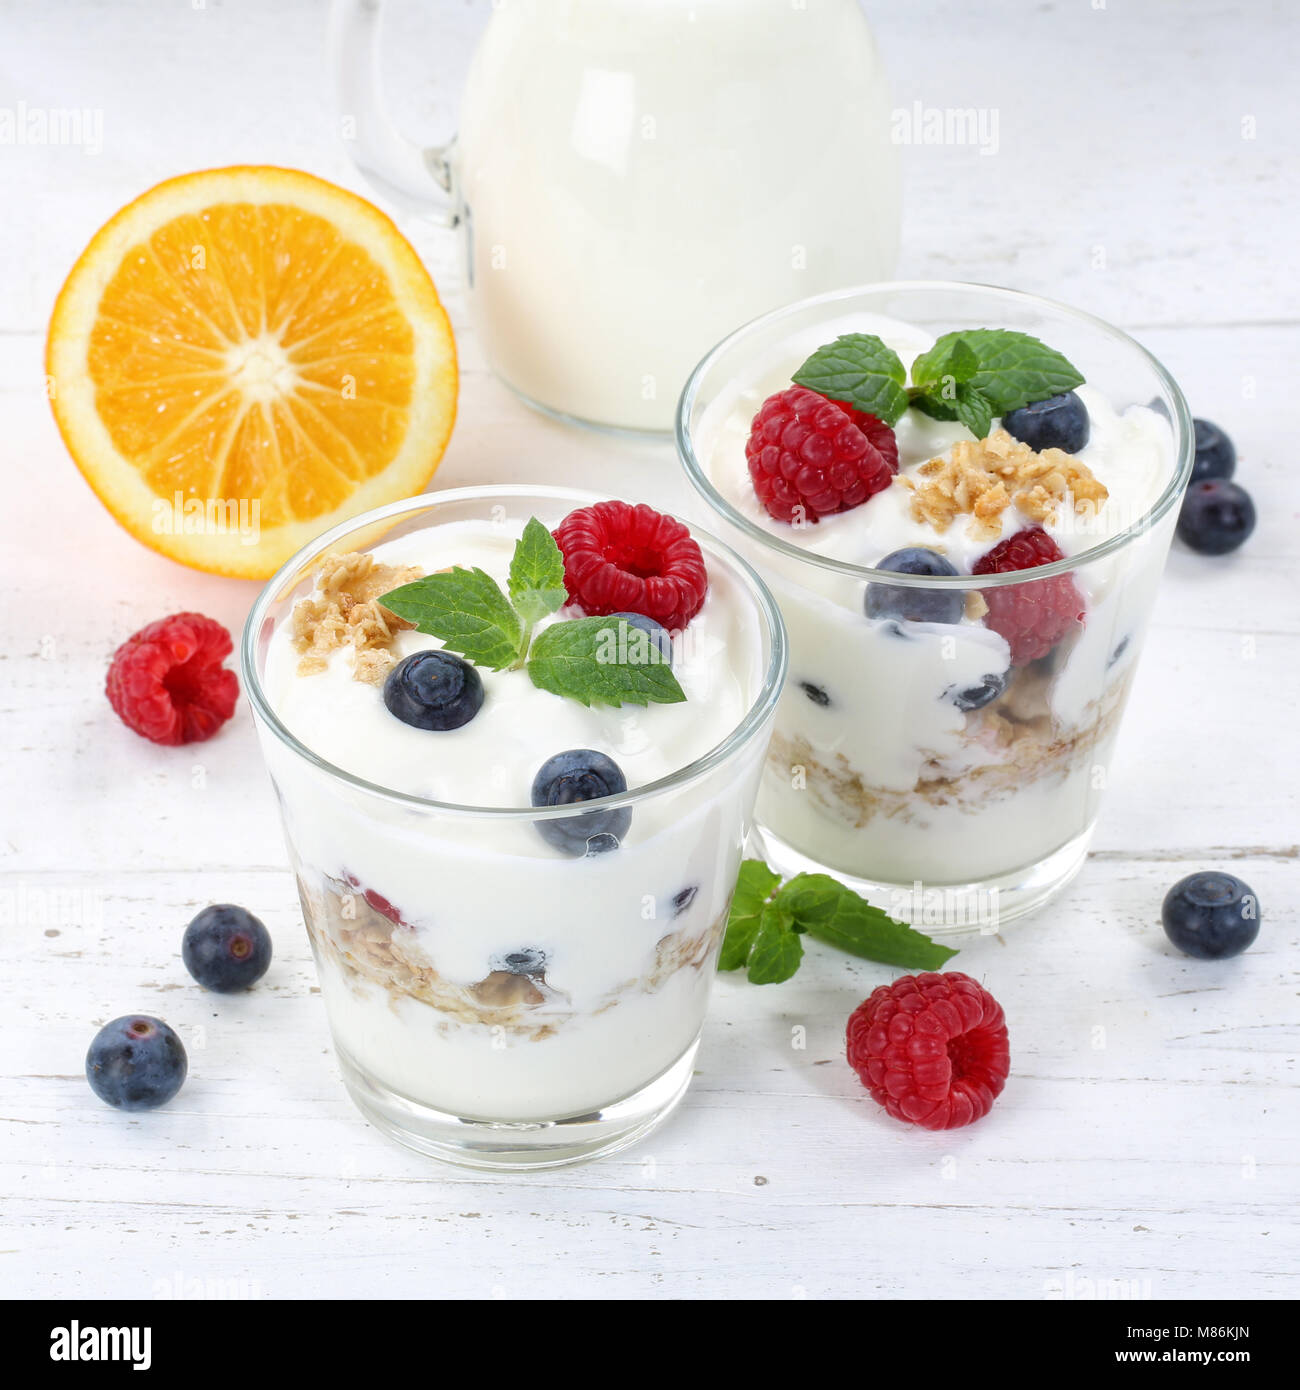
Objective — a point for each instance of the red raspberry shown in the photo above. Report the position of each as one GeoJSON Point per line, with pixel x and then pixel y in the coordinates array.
{"type": "Point", "coordinates": [932, 1049]}
{"type": "Point", "coordinates": [376, 901]}
{"type": "Point", "coordinates": [624, 559]}
{"type": "Point", "coordinates": [167, 682]}
{"type": "Point", "coordinates": [810, 456]}
{"type": "Point", "coordinates": [1032, 617]}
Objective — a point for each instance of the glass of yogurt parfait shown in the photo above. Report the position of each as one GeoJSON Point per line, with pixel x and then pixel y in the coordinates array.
{"type": "Point", "coordinates": [962, 498]}
{"type": "Point", "coordinates": [515, 823]}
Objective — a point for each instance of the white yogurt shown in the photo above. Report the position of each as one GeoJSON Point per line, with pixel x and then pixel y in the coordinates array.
{"type": "Point", "coordinates": [627, 938]}
{"type": "Point", "coordinates": [885, 777]}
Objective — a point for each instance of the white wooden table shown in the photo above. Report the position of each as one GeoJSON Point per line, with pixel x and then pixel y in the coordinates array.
{"type": "Point", "coordinates": [1147, 1143]}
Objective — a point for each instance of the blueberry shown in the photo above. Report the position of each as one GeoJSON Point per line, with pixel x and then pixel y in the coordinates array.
{"type": "Point", "coordinates": [226, 948]}
{"type": "Point", "coordinates": [977, 696]}
{"type": "Point", "coordinates": [683, 900]}
{"type": "Point", "coordinates": [1217, 516]}
{"type": "Point", "coordinates": [526, 961]}
{"type": "Point", "coordinates": [1059, 422]}
{"type": "Point", "coordinates": [1210, 915]}
{"type": "Point", "coordinates": [658, 639]}
{"type": "Point", "coordinates": [915, 605]}
{"type": "Point", "coordinates": [136, 1063]}
{"type": "Point", "coordinates": [815, 693]}
{"type": "Point", "coordinates": [1215, 455]}
{"type": "Point", "coordinates": [1120, 648]}
{"type": "Point", "coordinates": [581, 774]}
{"type": "Point", "coordinates": [434, 690]}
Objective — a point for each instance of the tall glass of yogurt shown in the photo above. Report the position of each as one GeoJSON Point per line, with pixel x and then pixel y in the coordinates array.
{"type": "Point", "coordinates": [950, 775]}
{"type": "Point", "coordinates": [508, 984]}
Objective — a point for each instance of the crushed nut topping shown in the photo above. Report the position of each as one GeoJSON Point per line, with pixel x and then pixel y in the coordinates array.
{"type": "Point", "coordinates": [344, 611]}
{"type": "Point", "coordinates": [983, 477]}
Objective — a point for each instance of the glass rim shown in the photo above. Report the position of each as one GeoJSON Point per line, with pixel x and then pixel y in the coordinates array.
{"type": "Point", "coordinates": [760, 708]}
{"type": "Point", "coordinates": [1184, 446]}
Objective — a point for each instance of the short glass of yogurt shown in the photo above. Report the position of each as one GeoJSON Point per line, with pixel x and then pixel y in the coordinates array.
{"type": "Point", "coordinates": [515, 959]}
{"type": "Point", "coordinates": [965, 597]}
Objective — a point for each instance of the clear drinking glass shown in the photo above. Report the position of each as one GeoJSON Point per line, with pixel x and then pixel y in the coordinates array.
{"type": "Point", "coordinates": [956, 819]}
{"type": "Point", "coordinates": [492, 1001]}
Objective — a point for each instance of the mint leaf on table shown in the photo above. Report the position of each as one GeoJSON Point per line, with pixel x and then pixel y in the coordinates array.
{"type": "Point", "coordinates": [777, 950]}
{"type": "Point", "coordinates": [826, 909]}
{"type": "Point", "coordinates": [860, 369]}
{"type": "Point", "coordinates": [754, 886]}
{"type": "Point", "coordinates": [767, 919]}
{"type": "Point", "coordinates": [1011, 369]}
{"type": "Point", "coordinates": [536, 581]}
{"type": "Point", "coordinates": [594, 661]}
{"type": "Point", "coordinates": [466, 609]}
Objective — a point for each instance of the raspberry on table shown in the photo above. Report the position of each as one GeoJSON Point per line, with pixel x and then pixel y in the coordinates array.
{"type": "Point", "coordinates": [810, 456]}
{"type": "Point", "coordinates": [931, 1048]}
{"type": "Point", "coordinates": [620, 558]}
{"type": "Point", "coordinates": [167, 682]}
{"type": "Point", "coordinates": [1034, 616]}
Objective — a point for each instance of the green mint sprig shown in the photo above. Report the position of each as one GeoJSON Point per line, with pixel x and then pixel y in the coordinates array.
{"type": "Point", "coordinates": [768, 918]}
{"type": "Point", "coordinates": [592, 660]}
{"type": "Point", "coordinates": [970, 375]}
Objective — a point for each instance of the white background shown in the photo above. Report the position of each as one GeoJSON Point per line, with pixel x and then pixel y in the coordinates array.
{"type": "Point", "coordinates": [1149, 1132]}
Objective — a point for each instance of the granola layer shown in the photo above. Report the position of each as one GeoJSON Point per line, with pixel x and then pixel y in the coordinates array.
{"type": "Point", "coordinates": [369, 949]}
{"type": "Point", "coordinates": [1018, 732]}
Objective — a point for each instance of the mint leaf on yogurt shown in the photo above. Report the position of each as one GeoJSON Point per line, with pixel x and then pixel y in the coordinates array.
{"type": "Point", "coordinates": [767, 919]}
{"type": "Point", "coordinates": [466, 610]}
{"type": "Point", "coordinates": [860, 369]}
{"type": "Point", "coordinates": [536, 581]}
{"type": "Point", "coordinates": [601, 661]}
{"type": "Point", "coordinates": [949, 362]}
{"type": "Point", "coordinates": [1010, 369]}
{"type": "Point", "coordinates": [596, 661]}
{"type": "Point", "coordinates": [974, 409]}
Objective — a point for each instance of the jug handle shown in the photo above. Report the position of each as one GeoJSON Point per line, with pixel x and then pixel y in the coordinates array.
{"type": "Point", "coordinates": [411, 175]}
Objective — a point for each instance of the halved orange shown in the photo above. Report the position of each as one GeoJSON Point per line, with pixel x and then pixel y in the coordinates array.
{"type": "Point", "coordinates": [242, 358]}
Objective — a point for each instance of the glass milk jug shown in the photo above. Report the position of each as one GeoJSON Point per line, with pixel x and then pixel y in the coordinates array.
{"type": "Point", "coordinates": [633, 179]}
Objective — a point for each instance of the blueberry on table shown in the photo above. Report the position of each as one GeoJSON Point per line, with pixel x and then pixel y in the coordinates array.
{"type": "Point", "coordinates": [1215, 455]}
{"type": "Point", "coordinates": [1059, 422]}
{"type": "Point", "coordinates": [136, 1063]}
{"type": "Point", "coordinates": [1216, 517]}
{"type": "Point", "coordinates": [915, 605]}
{"type": "Point", "coordinates": [657, 639]}
{"type": "Point", "coordinates": [226, 948]}
{"type": "Point", "coordinates": [569, 778]}
{"type": "Point", "coordinates": [1210, 915]}
{"type": "Point", "coordinates": [435, 690]}
{"type": "Point", "coordinates": [977, 696]}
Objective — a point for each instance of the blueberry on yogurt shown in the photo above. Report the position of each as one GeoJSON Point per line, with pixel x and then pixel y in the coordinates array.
{"type": "Point", "coordinates": [574, 776]}
{"type": "Point", "coordinates": [435, 690]}
{"type": "Point", "coordinates": [528, 960]}
{"type": "Point", "coordinates": [1059, 422]}
{"type": "Point", "coordinates": [915, 605]}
